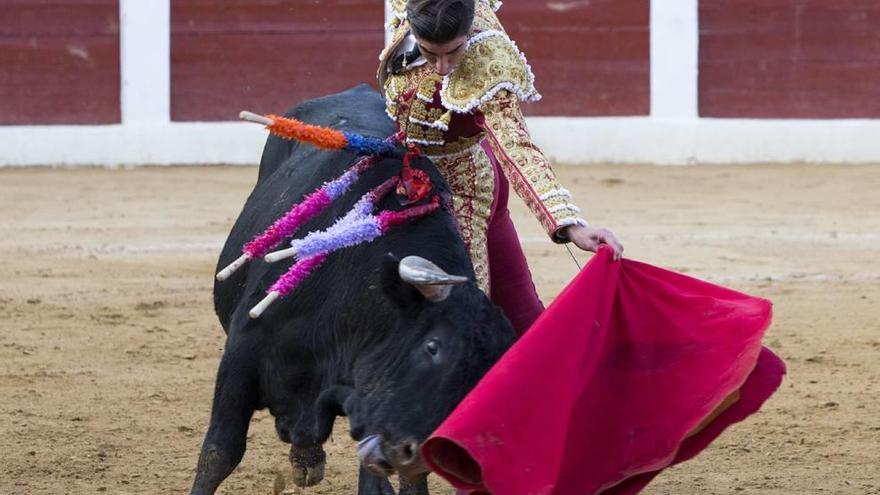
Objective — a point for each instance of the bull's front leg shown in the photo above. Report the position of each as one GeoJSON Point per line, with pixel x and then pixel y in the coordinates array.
{"type": "Point", "coordinates": [418, 486]}
{"type": "Point", "coordinates": [307, 456]}
{"type": "Point", "coordinates": [235, 399]}
{"type": "Point", "coordinates": [370, 484]}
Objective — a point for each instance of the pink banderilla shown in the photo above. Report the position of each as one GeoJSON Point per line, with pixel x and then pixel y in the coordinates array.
{"type": "Point", "coordinates": [300, 213]}
{"type": "Point", "coordinates": [358, 226]}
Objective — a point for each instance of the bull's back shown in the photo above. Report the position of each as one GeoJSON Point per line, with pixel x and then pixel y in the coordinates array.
{"type": "Point", "coordinates": [288, 172]}
{"type": "Point", "coordinates": [359, 109]}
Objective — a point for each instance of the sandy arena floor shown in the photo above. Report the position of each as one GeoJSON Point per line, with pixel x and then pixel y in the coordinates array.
{"type": "Point", "coordinates": [109, 345]}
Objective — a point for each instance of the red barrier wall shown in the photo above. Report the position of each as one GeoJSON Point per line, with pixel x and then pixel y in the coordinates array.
{"type": "Point", "coordinates": [790, 58]}
{"type": "Point", "coordinates": [59, 62]}
{"type": "Point", "coordinates": [590, 58]}
{"type": "Point", "coordinates": [758, 58]}
{"type": "Point", "coordinates": [267, 55]}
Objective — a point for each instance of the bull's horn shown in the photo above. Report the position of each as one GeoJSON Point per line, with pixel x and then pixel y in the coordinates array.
{"type": "Point", "coordinates": [428, 278]}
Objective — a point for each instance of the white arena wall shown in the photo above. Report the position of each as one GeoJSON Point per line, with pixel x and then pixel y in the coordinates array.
{"type": "Point", "coordinates": [673, 133]}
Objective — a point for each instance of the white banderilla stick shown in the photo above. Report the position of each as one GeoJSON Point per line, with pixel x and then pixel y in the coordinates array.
{"type": "Point", "coordinates": [255, 118]}
{"type": "Point", "coordinates": [232, 267]}
{"type": "Point", "coordinates": [258, 310]}
{"type": "Point", "coordinates": [280, 255]}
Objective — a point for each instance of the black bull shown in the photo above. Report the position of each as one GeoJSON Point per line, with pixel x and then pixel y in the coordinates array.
{"type": "Point", "coordinates": [354, 339]}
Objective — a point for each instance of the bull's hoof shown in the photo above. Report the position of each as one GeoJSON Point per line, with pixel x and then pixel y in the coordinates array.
{"type": "Point", "coordinates": [307, 465]}
{"type": "Point", "coordinates": [307, 476]}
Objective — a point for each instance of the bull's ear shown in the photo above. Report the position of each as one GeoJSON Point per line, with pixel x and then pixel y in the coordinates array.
{"type": "Point", "coordinates": [403, 294]}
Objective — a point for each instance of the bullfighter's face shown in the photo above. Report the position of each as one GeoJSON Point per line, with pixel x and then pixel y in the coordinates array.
{"type": "Point", "coordinates": [443, 57]}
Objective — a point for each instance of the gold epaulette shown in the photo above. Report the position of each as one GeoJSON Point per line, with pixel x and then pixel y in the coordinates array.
{"type": "Point", "coordinates": [491, 63]}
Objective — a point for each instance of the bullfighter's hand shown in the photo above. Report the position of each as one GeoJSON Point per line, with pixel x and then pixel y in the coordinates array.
{"type": "Point", "coordinates": [590, 238]}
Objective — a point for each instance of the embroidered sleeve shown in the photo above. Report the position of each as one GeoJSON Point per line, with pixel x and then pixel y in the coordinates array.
{"type": "Point", "coordinates": [526, 167]}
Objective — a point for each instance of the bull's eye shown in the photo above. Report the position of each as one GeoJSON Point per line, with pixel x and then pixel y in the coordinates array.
{"type": "Point", "coordinates": [432, 347]}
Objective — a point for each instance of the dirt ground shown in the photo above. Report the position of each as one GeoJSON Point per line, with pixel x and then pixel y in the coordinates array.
{"type": "Point", "coordinates": [109, 344]}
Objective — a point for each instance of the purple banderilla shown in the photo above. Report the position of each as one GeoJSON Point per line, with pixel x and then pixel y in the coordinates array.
{"type": "Point", "coordinates": [358, 226]}
{"type": "Point", "coordinates": [300, 213]}
{"type": "Point", "coordinates": [311, 206]}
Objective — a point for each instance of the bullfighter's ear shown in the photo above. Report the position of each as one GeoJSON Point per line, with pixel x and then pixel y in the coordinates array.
{"type": "Point", "coordinates": [402, 293]}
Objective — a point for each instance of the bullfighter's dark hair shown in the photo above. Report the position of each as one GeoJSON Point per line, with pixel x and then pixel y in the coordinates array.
{"type": "Point", "coordinates": [440, 21]}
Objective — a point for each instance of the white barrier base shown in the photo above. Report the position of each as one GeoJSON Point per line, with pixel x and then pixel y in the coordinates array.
{"type": "Point", "coordinates": [710, 141]}
{"type": "Point", "coordinates": [564, 140]}
{"type": "Point", "coordinates": [237, 143]}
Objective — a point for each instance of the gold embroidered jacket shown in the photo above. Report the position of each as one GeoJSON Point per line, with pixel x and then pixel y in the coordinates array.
{"type": "Point", "coordinates": [452, 117]}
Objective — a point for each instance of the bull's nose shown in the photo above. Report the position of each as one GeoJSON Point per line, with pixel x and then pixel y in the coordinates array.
{"type": "Point", "coordinates": [405, 458]}
{"type": "Point", "coordinates": [406, 453]}
{"type": "Point", "coordinates": [383, 459]}
{"type": "Point", "coordinates": [371, 456]}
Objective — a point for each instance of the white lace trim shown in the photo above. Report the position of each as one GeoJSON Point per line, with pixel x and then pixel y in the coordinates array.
{"type": "Point", "coordinates": [564, 206]}
{"type": "Point", "coordinates": [475, 103]}
{"type": "Point", "coordinates": [572, 221]}
{"type": "Point", "coordinates": [425, 142]}
{"type": "Point", "coordinates": [424, 98]}
{"type": "Point", "coordinates": [458, 154]}
{"type": "Point", "coordinates": [473, 40]}
{"type": "Point", "coordinates": [555, 193]}
{"type": "Point", "coordinates": [433, 125]}
{"type": "Point", "coordinates": [525, 94]}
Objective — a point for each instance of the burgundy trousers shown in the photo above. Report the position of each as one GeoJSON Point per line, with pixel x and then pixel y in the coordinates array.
{"type": "Point", "coordinates": [510, 281]}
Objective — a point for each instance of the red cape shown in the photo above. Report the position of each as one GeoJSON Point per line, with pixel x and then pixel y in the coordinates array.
{"type": "Point", "coordinates": [608, 386]}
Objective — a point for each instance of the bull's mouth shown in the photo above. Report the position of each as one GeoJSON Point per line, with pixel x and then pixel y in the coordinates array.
{"type": "Point", "coordinates": [382, 458]}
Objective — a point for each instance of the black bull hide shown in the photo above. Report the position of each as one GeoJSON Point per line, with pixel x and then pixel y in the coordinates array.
{"type": "Point", "coordinates": [353, 339]}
